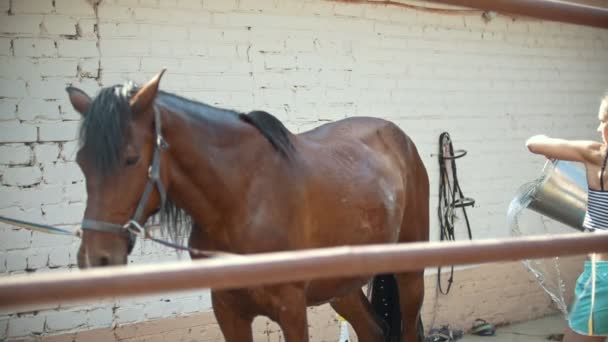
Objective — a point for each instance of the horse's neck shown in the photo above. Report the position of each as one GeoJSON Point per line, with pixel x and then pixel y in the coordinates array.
{"type": "Point", "coordinates": [210, 158]}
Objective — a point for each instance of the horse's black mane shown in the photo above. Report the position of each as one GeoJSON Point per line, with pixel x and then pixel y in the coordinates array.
{"type": "Point", "coordinates": [104, 127]}
{"type": "Point", "coordinates": [103, 138]}
{"type": "Point", "coordinates": [267, 124]}
{"type": "Point", "coordinates": [272, 129]}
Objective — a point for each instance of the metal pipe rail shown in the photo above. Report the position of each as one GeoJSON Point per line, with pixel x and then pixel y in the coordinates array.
{"type": "Point", "coordinates": [555, 10]}
{"type": "Point", "coordinates": [562, 11]}
{"type": "Point", "coordinates": [272, 268]}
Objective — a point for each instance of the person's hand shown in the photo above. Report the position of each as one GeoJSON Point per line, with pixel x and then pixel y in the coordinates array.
{"type": "Point", "coordinates": [536, 138]}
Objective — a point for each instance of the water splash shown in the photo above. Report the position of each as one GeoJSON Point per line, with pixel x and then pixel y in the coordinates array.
{"type": "Point", "coordinates": [546, 271]}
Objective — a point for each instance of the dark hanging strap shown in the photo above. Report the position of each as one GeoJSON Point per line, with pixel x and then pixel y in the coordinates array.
{"type": "Point", "coordinates": [450, 198]}
{"type": "Point", "coordinates": [603, 169]}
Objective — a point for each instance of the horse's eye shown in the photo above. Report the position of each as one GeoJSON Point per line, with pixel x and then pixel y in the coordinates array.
{"type": "Point", "coordinates": [132, 160]}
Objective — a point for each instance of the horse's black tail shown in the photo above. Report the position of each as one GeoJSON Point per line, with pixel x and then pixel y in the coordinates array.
{"type": "Point", "coordinates": [385, 300]}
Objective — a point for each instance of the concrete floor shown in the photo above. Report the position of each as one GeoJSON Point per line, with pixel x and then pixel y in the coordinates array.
{"type": "Point", "coordinates": [531, 331]}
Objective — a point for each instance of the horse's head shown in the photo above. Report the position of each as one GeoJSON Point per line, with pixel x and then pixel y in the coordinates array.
{"type": "Point", "coordinates": [118, 147]}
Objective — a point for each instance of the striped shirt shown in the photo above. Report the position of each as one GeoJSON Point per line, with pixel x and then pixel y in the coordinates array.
{"type": "Point", "coordinates": [596, 216]}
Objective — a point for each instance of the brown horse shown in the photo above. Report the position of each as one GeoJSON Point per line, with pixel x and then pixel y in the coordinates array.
{"type": "Point", "coordinates": [251, 186]}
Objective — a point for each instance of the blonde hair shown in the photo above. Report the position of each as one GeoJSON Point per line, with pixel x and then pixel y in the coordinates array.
{"type": "Point", "coordinates": [604, 107]}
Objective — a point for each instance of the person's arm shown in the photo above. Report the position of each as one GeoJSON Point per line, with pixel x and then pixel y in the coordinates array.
{"type": "Point", "coordinates": [572, 150]}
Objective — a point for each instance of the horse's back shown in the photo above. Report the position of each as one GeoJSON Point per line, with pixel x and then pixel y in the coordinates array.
{"type": "Point", "coordinates": [349, 128]}
{"type": "Point", "coordinates": [363, 169]}
{"type": "Point", "coordinates": [380, 135]}
{"type": "Point", "coordinates": [357, 171]}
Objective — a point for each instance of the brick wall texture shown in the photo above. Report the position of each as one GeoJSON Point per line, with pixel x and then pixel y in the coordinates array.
{"type": "Point", "coordinates": [490, 83]}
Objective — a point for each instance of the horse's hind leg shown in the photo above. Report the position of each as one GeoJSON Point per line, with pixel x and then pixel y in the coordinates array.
{"type": "Point", "coordinates": [411, 284]}
{"type": "Point", "coordinates": [358, 311]}
{"type": "Point", "coordinates": [235, 324]}
{"type": "Point", "coordinates": [411, 295]}
{"type": "Point", "coordinates": [414, 228]}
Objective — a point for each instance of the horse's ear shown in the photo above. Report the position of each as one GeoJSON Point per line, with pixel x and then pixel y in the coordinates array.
{"type": "Point", "coordinates": [80, 100]}
{"type": "Point", "coordinates": [144, 98]}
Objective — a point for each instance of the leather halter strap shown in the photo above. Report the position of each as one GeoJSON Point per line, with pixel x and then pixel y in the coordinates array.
{"type": "Point", "coordinates": [133, 226]}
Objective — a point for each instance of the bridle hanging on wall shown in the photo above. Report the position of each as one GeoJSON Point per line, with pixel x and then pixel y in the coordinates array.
{"type": "Point", "coordinates": [450, 198]}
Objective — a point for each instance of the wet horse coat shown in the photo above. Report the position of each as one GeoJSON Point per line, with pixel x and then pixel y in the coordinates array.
{"type": "Point", "coordinates": [251, 186]}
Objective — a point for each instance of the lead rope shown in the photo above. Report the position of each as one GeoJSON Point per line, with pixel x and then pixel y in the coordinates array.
{"type": "Point", "coordinates": [145, 234]}
{"type": "Point", "coordinates": [39, 227]}
{"type": "Point", "coordinates": [139, 231]}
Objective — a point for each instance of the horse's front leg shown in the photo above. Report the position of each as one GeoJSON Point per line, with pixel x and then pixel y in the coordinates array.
{"type": "Point", "coordinates": [289, 306]}
{"type": "Point", "coordinates": [232, 316]}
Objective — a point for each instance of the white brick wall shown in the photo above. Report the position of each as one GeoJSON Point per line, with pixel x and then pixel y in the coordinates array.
{"type": "Point", "coordinates": [13, 154]}
{"type": "Point", "coordinates": [490, 85]}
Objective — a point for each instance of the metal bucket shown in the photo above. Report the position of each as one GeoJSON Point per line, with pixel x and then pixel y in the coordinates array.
{"type": "Point", "coordinates": [561, 193]}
